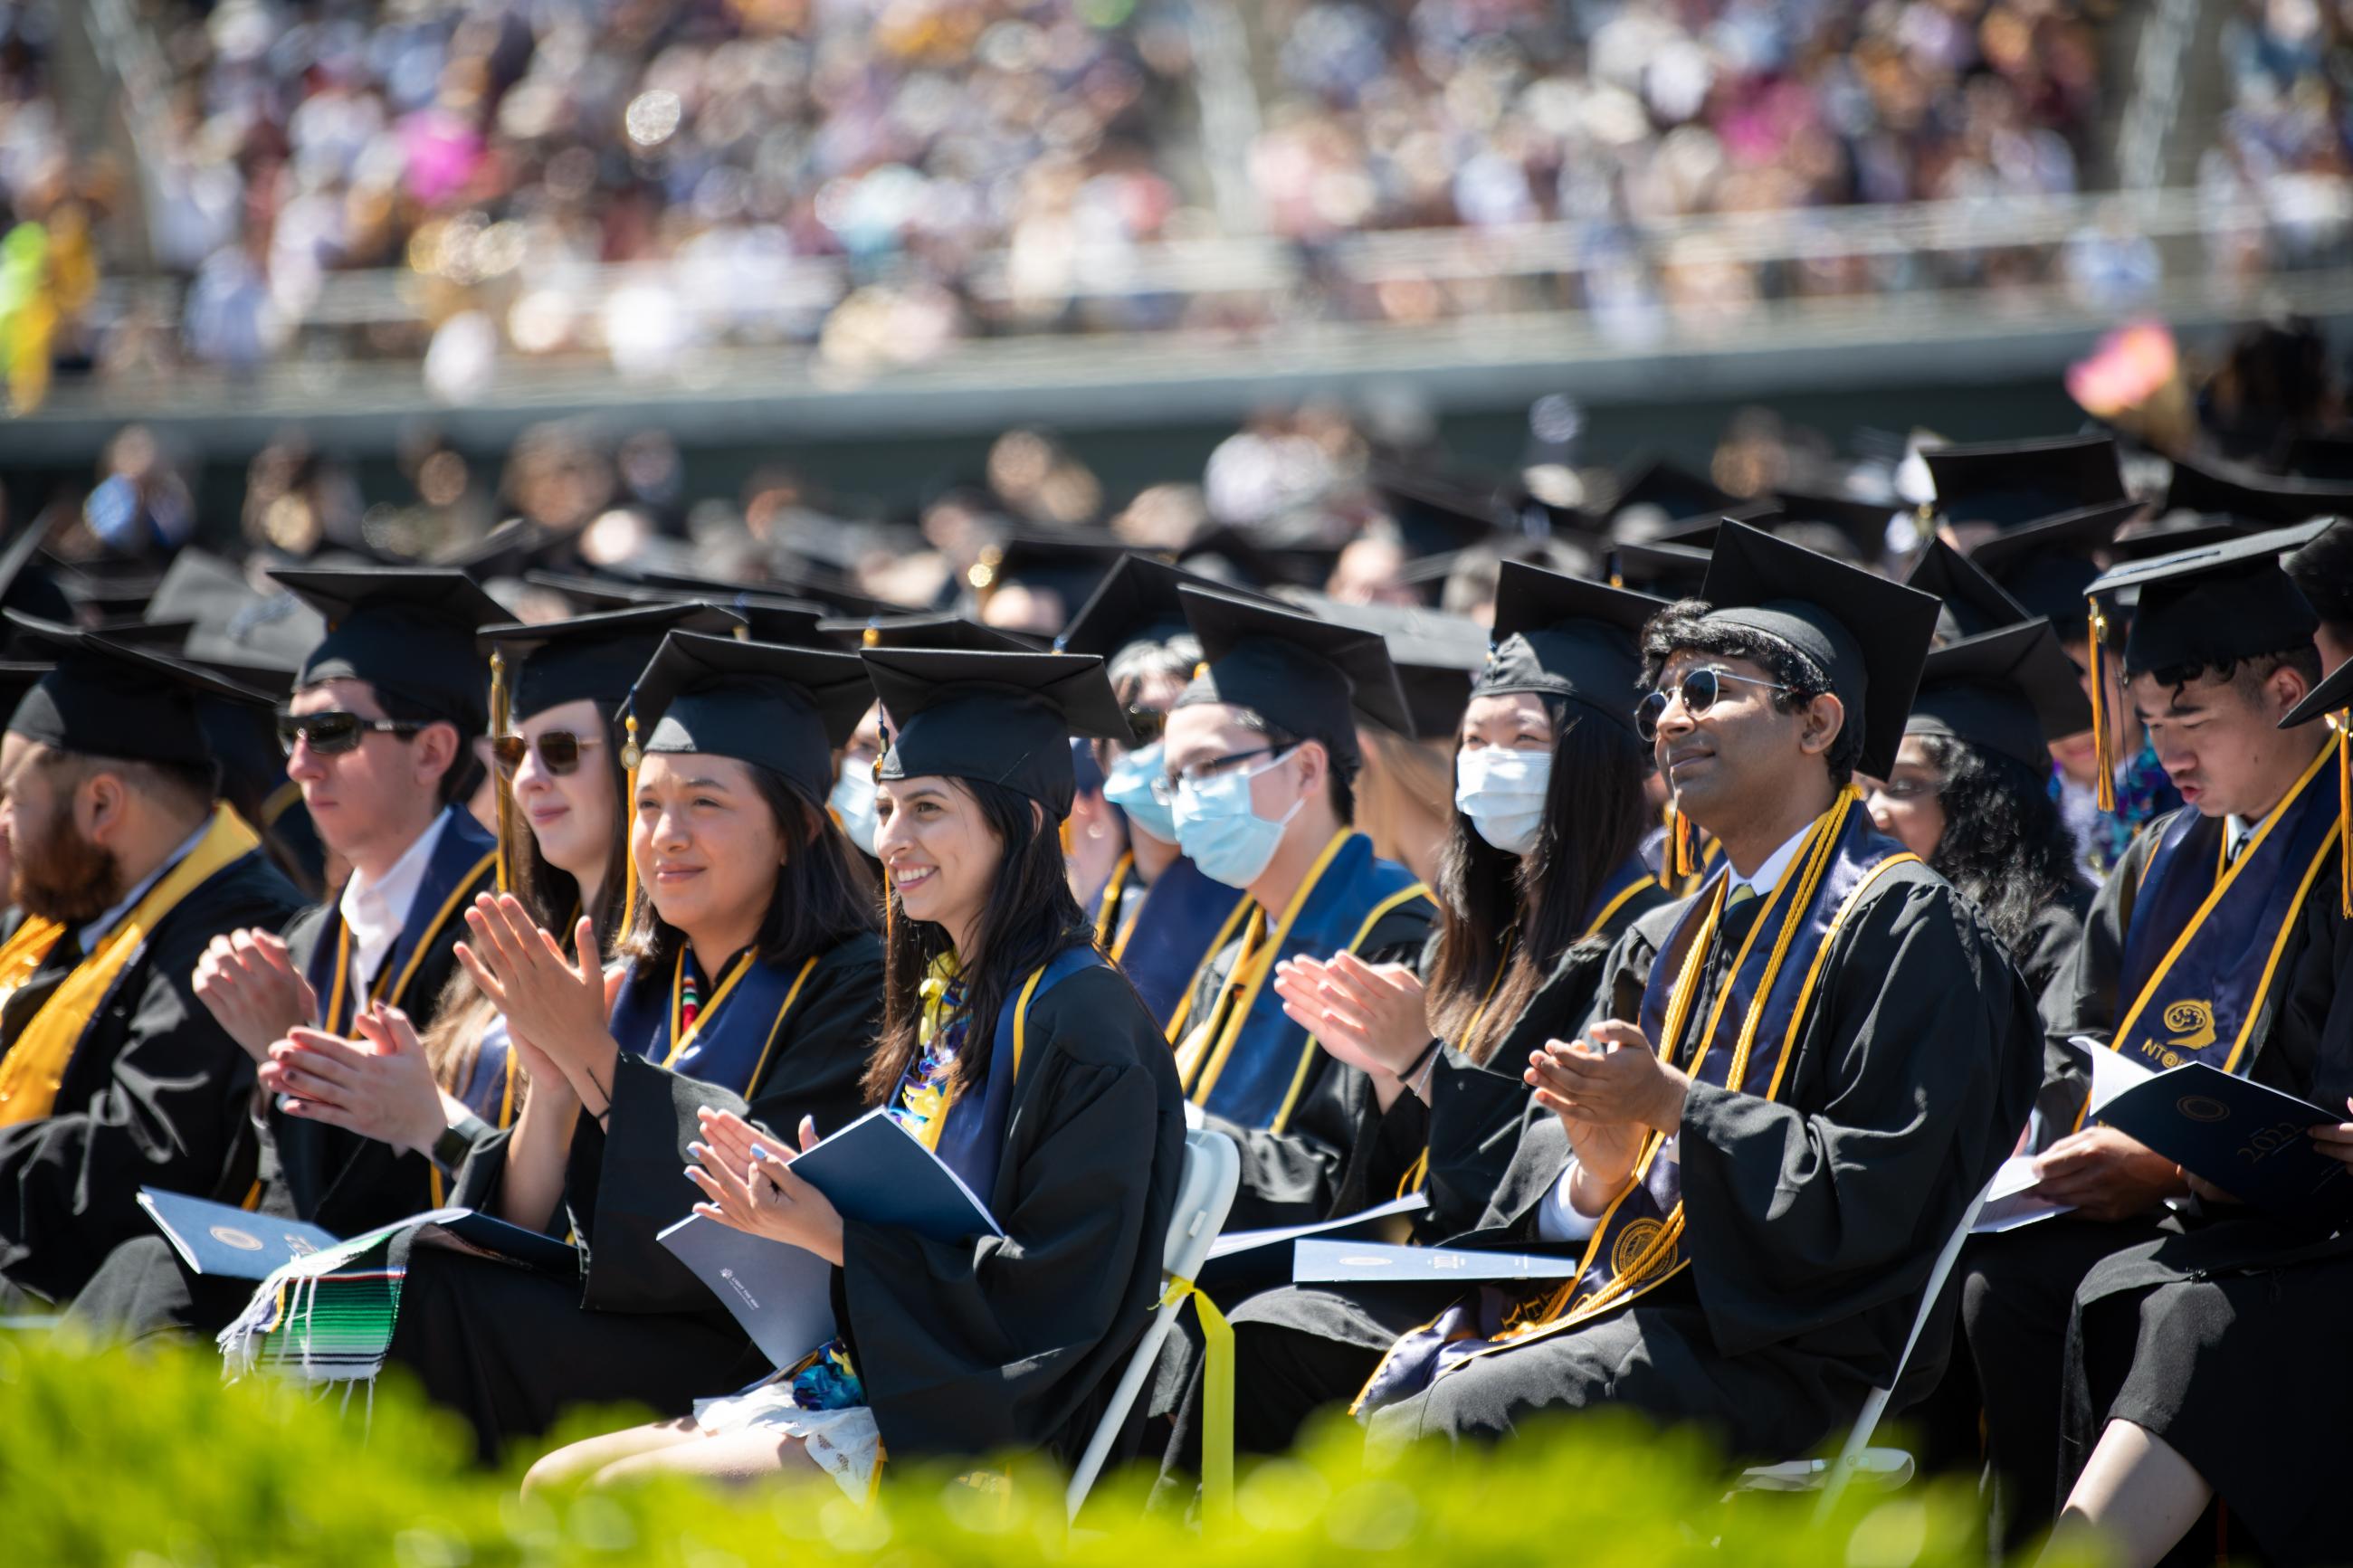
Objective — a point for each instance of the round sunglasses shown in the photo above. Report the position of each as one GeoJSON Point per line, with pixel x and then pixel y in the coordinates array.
{"type": "Point", "coordinates": [1699, 690]}
{"type": "Point", "coordinates": [332, 732]}
{"type": "Point", "coordinates": [559, 751]}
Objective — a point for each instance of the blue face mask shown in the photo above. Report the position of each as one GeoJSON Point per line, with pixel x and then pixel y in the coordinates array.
{"type": "Point", "coordinates": [1128, 786]}
{"type": "Point", "coordinates": [1219, 831]}
{"type": "Point", "coordinates": [853, 801]}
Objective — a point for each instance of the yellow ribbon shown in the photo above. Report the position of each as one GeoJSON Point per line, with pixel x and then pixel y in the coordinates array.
{"type": "Point", "coordinates": [37, 1059]}
{"type": "Point", "coordinates": [1217, 1399]}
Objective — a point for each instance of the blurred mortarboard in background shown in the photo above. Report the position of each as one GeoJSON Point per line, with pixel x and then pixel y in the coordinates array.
{"type": "Point", "coordinates": [1136, 601]}
{"type": "Point", "coordinates": [2235, 491]}
{"type": "Point", "coordinates": [925, 631]}
{"type": "Point", "coordinates": [1437, 513]}
{"type": "Point", "coordinates": [1669, 571]}
{"type": "Point", "coordinates": [2045, 564]}
{"type": "Point", "coordinates": [1864, 522]}
{"type": "Point", "coordinates": [2321, 459]}
{"type": "Point", "coordinates": [1972, 602]}
{"type": "Point", "coordinates": [2165, 536]}
{"type": "Point", "coordinates": [2011, 483]}
{"type": "Point", "coordinates": [27, 584]}
{"type": "Point", "coordinates": [235, 623]}
{"type": "Point", "coordinates": [1068, 566]}
{"type": "Point", "coordinates": [1699, 533]}
{"type": "Point", "coordinates": [1656, 482]}
{"type": "Point", "coordinates": [1436, 655]}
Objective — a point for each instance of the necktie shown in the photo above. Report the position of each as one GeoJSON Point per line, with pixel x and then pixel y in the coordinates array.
{"type": "Point", "coordinates": [1741, 893]}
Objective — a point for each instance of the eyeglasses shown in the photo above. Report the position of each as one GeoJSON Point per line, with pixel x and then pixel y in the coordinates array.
{"type": "Point", "coordinates": [559, 751]}
{"type": "Point", "coordinates": [333, 732]}
{"type": "Point", "coordinates": [1163, 788]}
{"type": "Point", "coordinates": [1699, 690]}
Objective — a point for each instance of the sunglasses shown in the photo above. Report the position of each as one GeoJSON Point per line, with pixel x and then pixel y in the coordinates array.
{"type": "Point", "coordinates": [1699, 691]}
{"type": "Point", "coordinates": [331, 733]}
{"type": "Point", "coordinates": [559, 751]}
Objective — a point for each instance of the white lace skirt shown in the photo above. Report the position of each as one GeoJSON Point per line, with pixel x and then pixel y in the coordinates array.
{"type": "Point", "coordinates": [844, 1444]}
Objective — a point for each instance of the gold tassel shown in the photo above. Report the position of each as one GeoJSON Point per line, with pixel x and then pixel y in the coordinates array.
{"type": "Point", "coordinates": [505, 786]}
{"type": "Point", "coordinates": [631, 756]}
{"type": "Point", "coordinates": [2104, 790]}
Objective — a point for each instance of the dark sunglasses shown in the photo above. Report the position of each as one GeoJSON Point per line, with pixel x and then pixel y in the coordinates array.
{"type": "Point", "coordinates": [330, 733]}
{"type": "Point", "coordinates": [559, 752]}
{"type": "Point", "coordinates": [1699, 690]}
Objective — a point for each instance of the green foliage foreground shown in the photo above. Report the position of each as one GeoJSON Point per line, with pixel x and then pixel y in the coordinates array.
{"type": "Point", "coordinates": [148, 1460]}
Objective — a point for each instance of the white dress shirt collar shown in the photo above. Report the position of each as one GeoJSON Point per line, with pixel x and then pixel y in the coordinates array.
{"type": "Point", "coordinates": [375, 909]}
{"type": "Point", "coordinates": [1776, 866]}
{"type": "Point", "coordinates": [95, 931]}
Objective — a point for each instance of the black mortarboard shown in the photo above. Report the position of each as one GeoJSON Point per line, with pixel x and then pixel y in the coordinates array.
{"type": "Point", "coordinates": [102, 698]}
{"type": "Point", "coordinates": [2012, 691]}
{"type": "Point", "coordinates": [25, 585]}
{"type": "Point", "coordinates": [1970, 600]}
{"type": "Point", "coordinates": [1436, 655]}
{"type": "Point", "coordinates": [234, 623]}
{"type": "Point", "coordinates": [805, 588]}
{"type": "Point", "coordinates": [1300, 674]}
{"type": "Point", "coordinates": [1001, 718]}
{"type": "Point", "coordinates": [2146, 544]}
{"type": "Point", "coordinates": [2044, 565]}
{"type": "Point", "coordinates": [406, 632]}
{"type": "Point", "coordinates": [1068, 566]}
{"type": "Point", "coordinates": [589, 594]}
{"type": "Point", "coordinates": [1866, 634]}
{"type": "Point", "coordinates": [2236, 491]}
{"type": "Point", "coordinates": [1864, 522]}
{"type": "Point", "coordinates": [783, 709]}
{"type": "Point", "coordinates": [931, 631]}
{"type": "Point", "coordinates": [596, 657]}
{"type": "Point", "coordinates": [2325, 458]}
{"type": "Point", "coordinates": [2008, 483]}
{"type": "Point", "coordinates": [1699, 533]}
{"type": "Point", "coordinates": [1673, 570]}
{"type": "Point", "coordinates": [2213, 605]}
{"type": "Point", "coordinates": [1666, 484]}
{"type": "Point", "coordinates": [509, 549]}
{"type": "Point", "coordinates": [1564, 636]}
{"type": "Point", "coordinates": [1136, 602]}
{"type": "Point", "coordinates": [1435, 513]}
{"type": "Point", "coordinates": [2333, 693]}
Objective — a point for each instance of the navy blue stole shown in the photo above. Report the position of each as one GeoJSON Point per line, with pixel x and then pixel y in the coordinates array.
{"type": "Point", "coordinates": [1742, 1044]}
{"type": "Point", "coordinates": [737, 1026]}
{"type": "Point", "coordinates": [972, 1135]}
{"type": "Point", "coordinates": [2205, 941]}
{"type": "Point", "coordinates": [461, 866]}
{"type": "Point", "coordinates": [1247, 1061]}
{"type": "Point", "coordinates": [1176, 928]}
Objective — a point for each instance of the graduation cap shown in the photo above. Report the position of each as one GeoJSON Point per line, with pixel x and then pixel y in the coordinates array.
{"type": "Point", "coordinates": [1300, 674]}
{"type": "Point", "coordinates": [1563, 637]}
{"type": "Point", "coordinates": [1699, 533]}
{"type": "Point", "coordinates": [2012, 691]}
{"type": "Point", "coordinates": [2141, 545]}
{"type": "Point", "coordinates": [1864, 522]}
{"type": "Point", "coordinates": [805, 588]}
{"type": "Point", "coordinates": [2237, 491]}
{"type": "Point", "coordinates": [1972, 602]}
{"type": "Point", "coordinates": [931, 631]}
{"type": "Point", "coordinates": [783, 709]}
{"type": "Point", "coordinates": [1136, 602]}
{"type": "Point", "coordinates": [408, 632]}
{"type": "Point", "coordinates": [98, 599]}
{"type": "Point", "coordinates": [593, 593]}
{"type": "Point", "coordinates": [1071, 567]}
{"type": "Point", "coordinates": [1436, 655]}
{"type": "Point", "coordinates": [1435, 514]}
{"type": "Point", "coordinates": [1260, 559]}
{"type": "Point", "coordinates": [2046, 564]}
{"type": "Point", "coordinates": [1866, 634]}
{"type": "Point", "coordinates": [2325, 458]}
{"type": "Point", "coordinates": [234, 624]}
{"type": "Point", "coordinates": [2010, 483]}
{"type": "Point", "coordinates": [594, 658]}
{"type": "Point", "coordinates": [1001, 718]}
{"type": "Point", "coordinates": [103, 699]}
{"type": "Point", "coordinates": [2214, 604]}
{"type": "Point", "coordinates": [509, 549]}
{"type": "Point", "coordinates": [1666, 484]}
{"type": "Point", "coordinates": [1672, 571]}
{"type": "Point", "coordinates": [26, 585]}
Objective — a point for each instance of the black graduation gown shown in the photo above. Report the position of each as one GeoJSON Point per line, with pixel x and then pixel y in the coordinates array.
{"type": "Point", "coordinates": [2019, 1287]}
{"type": "Point", "coordinates": [1008, 1342]}
{"type": "Point", "coordinates": [1295, 1176]}
{"type": "Point", "coordinates": [155, 1094]}
{"type": "Point", "coordinates": [2047, 946]}
{"type": "Point", "coordinates": [1300, 1347]}
{"type": "Point", "coordinates": [511, 1349]}
{"type": "Point", "coordinates": [1811, 1220]}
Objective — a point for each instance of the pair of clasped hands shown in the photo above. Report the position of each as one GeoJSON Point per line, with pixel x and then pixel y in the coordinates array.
{"type": "Point", "coordinates": [2102, 1174]}
{"type": "Point", "coordinates": [1611, 1089]}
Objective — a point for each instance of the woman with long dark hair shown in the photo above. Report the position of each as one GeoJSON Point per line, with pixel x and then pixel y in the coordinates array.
{"type": "Point", "coordinates": [1969, 790]}
{"type": "Point", "coordinates": [1543, 872]}
{"type": "Point", "coordinates": [751, 980]}
{"type": "Point", "coordinates": [1013, 1050]}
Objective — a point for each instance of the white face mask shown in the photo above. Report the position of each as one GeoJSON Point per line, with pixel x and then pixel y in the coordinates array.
{"type": "Point", "coordinates": [1221, 831]}
{"type": "Point", "coordinates": [853, 800]}
{"type": "Point", "coordinates": [1503, 793]}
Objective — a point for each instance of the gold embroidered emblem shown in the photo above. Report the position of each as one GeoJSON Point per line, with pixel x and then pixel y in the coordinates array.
{"type": "Point", "coordinates": [1632, 1242]}
{"type": "Point", "coordinates": [2193, 1023]}
{"type": "Point", "coordinates": [2201, 1107]}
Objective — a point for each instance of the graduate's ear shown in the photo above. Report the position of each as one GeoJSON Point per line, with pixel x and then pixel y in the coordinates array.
{"type": "Point", "coordinates": [1314, 761]}
{"type": "Point", "coordinates": [1818, 724]}
{"type": "Point", "coordinates": [102, 805]}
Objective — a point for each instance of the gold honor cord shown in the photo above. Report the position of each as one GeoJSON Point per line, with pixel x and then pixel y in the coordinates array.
{"type": "Point", "coordinates": [505, 792]}
{"type": "Point", "coordinates": [929, 1134]}
{"type": "Point", "coordinates": [760, 1068]}
{"type": "Point", "coordinates": [1234, 917]}
{"type": "Point", "coordinates": [683, 1034]}
{"type": "Point", "coordinates": [467, 886]}
{"type": "Point", "coordinates": [1224, 1024]}
{"type": "Point", "coordinates": [1307, 1052]}
{"type": "Point", "coordinates": [1107, 914]}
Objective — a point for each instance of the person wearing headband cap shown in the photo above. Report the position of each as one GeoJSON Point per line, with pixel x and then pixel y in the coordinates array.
{"type": "Point", "coordinates": [751, 984]}
{"type": "Point", "coordinates": [1794, 1082]}
{"type": "Point", "coordinates": [1261, 761]}
{"type": "Point", "coordinates": [124, 866]}
{"type": "Point", "coordinates": [1543, 872]}
{"type": "Point", "coordinates": [2184, 1336]}
{"type": "Point", "coordinates": [1014, 1051]}
{"type": "Point", "coordinates": [1158, 915]}
{"type": "Point", "coordinates": [1969, 792]}
{"type": "Point", "coordinates": [2218, 938]}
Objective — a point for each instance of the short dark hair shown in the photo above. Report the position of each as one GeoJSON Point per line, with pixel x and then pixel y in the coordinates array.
{"type": "Point", "coordinates": [189, 787]}
{"type": "Point", "coordinates": [1684, 628]}
{"type": "Point", "coordinates": [2243, 674]}
{"type": "Point", "coordinates": [2322, 572]}
{"type": "Point", "coordinates": [1341, 786]}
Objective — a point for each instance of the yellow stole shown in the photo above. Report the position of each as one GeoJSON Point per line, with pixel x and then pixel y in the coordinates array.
{"type": "Point", "coordinates": [35, 1061]}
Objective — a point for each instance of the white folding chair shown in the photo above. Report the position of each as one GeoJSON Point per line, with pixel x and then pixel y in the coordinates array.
{"type": "Point", "coordinates": [1882, 1468]}
{"type": "Point", "coordinates": [1213, 1169]}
